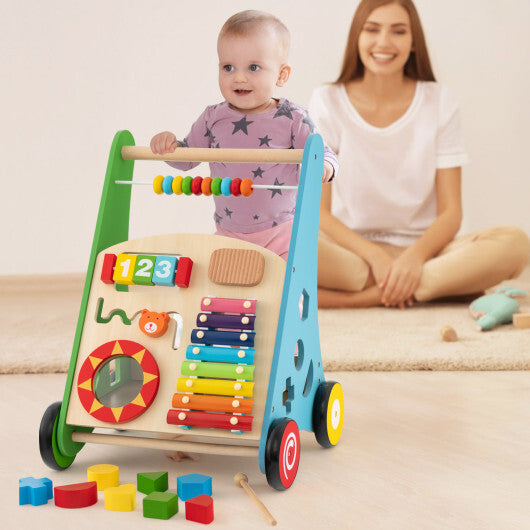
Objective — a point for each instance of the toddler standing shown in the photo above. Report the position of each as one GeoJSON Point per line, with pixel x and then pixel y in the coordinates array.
{"type": "Point", "coordinates": [253, 50]}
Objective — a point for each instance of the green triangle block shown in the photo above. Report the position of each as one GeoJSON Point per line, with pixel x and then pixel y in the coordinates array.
{"type": "Point", "coordinates": [149, 482]}
{"type": "Point", "coordinates": [160, 505]}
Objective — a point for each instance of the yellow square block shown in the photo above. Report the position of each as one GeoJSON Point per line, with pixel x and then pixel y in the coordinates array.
{"type": "Point", "coordinates": [106, 475]}
{"type": "Point", "coordinates": [121, 498]}
{"type": "Point", "coordinates": [124, 269]}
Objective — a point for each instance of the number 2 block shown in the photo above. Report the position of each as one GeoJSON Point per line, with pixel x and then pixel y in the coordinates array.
{"type": "Point", "coordinates": [124, 269]}
{"type": "Point", "coordinates": [164, 272]}
{"type": "Point", "coordinates": [143, 271]}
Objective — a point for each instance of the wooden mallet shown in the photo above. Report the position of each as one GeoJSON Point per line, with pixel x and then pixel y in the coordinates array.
{"type": "Point", "coordinates": [241, 480]}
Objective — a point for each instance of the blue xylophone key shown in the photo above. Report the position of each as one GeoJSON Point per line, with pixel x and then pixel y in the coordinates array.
{"type": "Point", "coordinates": [217, 320]}
{"type": "Point", "coordinates": [223, 338]}
{"type": "Point", "coordinates": [220, 354]}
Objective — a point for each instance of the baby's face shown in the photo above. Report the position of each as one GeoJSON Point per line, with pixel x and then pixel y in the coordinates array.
{"type": "Point", "coordinates": [250, 66]}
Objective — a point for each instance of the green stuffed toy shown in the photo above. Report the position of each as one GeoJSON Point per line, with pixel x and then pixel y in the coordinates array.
{"type": "Point", "coordinates": [498, 308]}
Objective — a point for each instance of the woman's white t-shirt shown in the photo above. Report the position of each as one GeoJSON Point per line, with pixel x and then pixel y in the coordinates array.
{"type": "Point", "coordinates": [385, 189]}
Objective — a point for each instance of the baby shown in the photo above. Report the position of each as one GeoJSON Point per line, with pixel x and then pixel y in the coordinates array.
{"type": "Point", "coordinates": [253, 50]}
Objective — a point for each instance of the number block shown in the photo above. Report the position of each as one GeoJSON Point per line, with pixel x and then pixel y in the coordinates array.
{"type": "Point", "coordinates": [164, 271]}
{"type": "Point", "coordinates": [182, 277]}
{"type": "Point", "coordinates": [143, 270]}
{"type": "Point", "coordinates": [124, 269]}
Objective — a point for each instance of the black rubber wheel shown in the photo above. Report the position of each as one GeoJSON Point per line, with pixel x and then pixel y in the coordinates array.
{"type": "Point", "coordinates": [49, 451]}
{"type": "Point", "coordinates": [282, 454]}
{"type": "Point", "coordinates": [328, 413]}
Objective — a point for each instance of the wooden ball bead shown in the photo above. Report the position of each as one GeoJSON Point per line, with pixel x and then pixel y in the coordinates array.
{"type": "Point", "coordinates": [235, 187]}
{"type": "Point", "coordinates": [186, 185]}
{"type": "Point", "coordinates": [225, 186]}
{"type": "Point", "coordinates": [167, 185]}
{"type": "Point", "coordinates": [206, 186]}
{"type": "Point", "coordinates": [216, 186]}
{"type": "Point", "coordinates": [196, 184]}
{"type": "Point", "coordinates": [176, 185]}
{"type": "Point", "coordinates": [246, 187]}
{"type": "Point", "coordinates": [157, 184]}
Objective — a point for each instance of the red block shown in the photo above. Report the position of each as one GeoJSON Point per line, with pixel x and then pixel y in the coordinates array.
{"type": "Point", "coordinates": [200, 509]}
{"type": "Point", "coordinates": [76, 495]}
{"type": "Point", "coordinates": [107, 270]}
{"type": "Point", "coordinates": [182, 276]}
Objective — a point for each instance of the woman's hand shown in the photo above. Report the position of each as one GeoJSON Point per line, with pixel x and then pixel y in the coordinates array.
{"type": "Point", "coordinates": [402, 280]}
{"type": "Point", "coordinates": [164, 142]}
{"type": "Point", "coordinates": [327, 174]}
{"type": "Point", "coordinates": [380, 263]}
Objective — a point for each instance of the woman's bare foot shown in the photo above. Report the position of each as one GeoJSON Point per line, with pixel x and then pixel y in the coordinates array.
{"type": "Point", "coordinates": [181, 456]}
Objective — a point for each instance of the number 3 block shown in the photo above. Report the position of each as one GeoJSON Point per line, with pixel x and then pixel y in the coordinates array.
{"type": "Point", "coordinates": [164, 272]}
{"type": "Point", "coordinates": [143, 270]}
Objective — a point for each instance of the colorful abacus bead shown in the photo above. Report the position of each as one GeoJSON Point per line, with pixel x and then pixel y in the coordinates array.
{"type": "Point", "coordinates": [206, 186]}
{"type": "Point", "coordinates": [186, 185]}
{"type": "Point", "coordinates": [246, 187]}
{"type": "Point", "coordinates": [235, 187]}
{"type": "Point", "coordinates": [167, 185]}
{"type": "Point", "coordinates": [225, 186]}
{"type": "Point", "coordinates": [196, 186]}
{"type": "Point", "coordinates": [176, 185]}
{"type": "Point", "coordinates": [157, 184]}
{"type": "Point", "coordinates": [216, 186]}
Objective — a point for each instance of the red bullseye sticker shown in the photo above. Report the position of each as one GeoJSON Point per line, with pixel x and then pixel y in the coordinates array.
{"type": "Point", "coordinates": [289, 454]}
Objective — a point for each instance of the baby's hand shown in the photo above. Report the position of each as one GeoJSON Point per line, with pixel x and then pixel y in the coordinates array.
{"type": "Point", "coordinates": [327, 174]}
{"type": "Point", "coordinates": [164, 142]}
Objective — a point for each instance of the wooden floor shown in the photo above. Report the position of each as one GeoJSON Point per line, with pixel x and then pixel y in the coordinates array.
{"type": "Point", "coordinates": [420, 450]}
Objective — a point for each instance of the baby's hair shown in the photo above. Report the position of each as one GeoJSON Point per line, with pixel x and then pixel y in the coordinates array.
{"type": "Point", "coordinates": [245, 22]}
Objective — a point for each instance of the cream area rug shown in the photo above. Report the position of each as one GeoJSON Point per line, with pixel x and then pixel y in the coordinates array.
{"type": "Point", "coordinates": [38, 316]}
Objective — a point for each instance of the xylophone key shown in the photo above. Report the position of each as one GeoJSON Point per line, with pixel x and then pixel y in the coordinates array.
{"type": "Point", "coordinates": [217, 320]}
{"type": "Point", "coordinates": [223, 338]}
{"type": "Point", "coordinates": [220, 354]}
{"type": "Point", "coordinates": [229, 305]}
{"type": "Point", "coordinates": [209, 419]}
{"type": "Point", "coordinates": [218, 370]}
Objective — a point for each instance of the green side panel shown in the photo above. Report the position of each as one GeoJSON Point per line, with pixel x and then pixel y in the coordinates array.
{"type": "Point", "coordinates": [112, 227]}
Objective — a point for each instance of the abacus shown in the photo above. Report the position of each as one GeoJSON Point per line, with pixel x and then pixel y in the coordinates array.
{"type": "Point", "coordinates": [198, 342]}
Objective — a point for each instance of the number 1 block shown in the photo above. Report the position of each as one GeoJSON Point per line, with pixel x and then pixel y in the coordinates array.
{"type": "Point", "coordinates": [164, 273]}
{"type": "Point", "coordinates": [124, 269]}
{"type": "Point", "coordinates": [143, 271]}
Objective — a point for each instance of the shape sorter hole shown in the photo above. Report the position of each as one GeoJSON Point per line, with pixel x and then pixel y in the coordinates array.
{"type": "Point", "coordinates": [308, 381]}
{"type": "Point", "coordinates": [288, 395]}
{"type": "Point", "coordinates": [298, 354]}
{"type": "Point", "coordinates": [303, 305]}
{"type": "Point", "coordinates": [118, 381]}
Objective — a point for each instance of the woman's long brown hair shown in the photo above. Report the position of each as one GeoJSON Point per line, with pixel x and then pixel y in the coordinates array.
{"type": "Point", "coordinates": [418, 65]}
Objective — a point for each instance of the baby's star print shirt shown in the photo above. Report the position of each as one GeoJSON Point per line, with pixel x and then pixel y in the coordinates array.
{"type": "Point", "coordinates": [286, 126]}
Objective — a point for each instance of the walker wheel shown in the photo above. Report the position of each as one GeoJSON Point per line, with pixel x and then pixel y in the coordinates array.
{"type": "Point", "coordinates": [328, 413]}
{"type": "Point", "coordinates": [49, 451]}
{"type": "Point", "coordinates": [282, 454]}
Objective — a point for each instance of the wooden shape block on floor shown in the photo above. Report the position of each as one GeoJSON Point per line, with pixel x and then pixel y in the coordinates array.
{"type": "Point", "coordinates": [76, 495]}
{"type": "Point", "coordinates": [233, 266]}
{"type": "Point", "coordinates": [121, 498]}
{"type": "Point", "coordinates": [105, 475]}
{"type": "Point", "coordinates": [193, 485]}
{"type": "Point", "coordinates": [35, 491]}
{"type": "Point", "coordinates": [160, 505]}
{"type": "Point", "coordinates": [521, 320]}
{"type": "Point", "coordinates": [200, 509]}
{"type": "Point", "coordinates": [154, 481]}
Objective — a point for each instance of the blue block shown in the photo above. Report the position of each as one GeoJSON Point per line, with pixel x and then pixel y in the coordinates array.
{"type": "Point", "coordinates": [164, 273]}
{"type": "Point", "coordinates": [34, 491]}
{"type": "Point", "coordinates": [193, 485]}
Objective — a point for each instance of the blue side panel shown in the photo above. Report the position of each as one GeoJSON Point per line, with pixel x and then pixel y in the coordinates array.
{"type": "Point", "coordinates": [296, 367]}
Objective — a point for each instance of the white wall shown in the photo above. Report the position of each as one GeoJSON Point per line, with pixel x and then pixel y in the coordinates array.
{"type": "Point", "coordinates": [75, 72]}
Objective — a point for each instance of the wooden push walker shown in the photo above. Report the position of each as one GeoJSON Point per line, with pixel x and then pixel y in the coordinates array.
{"type": "Point", "coordinates": [198, 342]}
